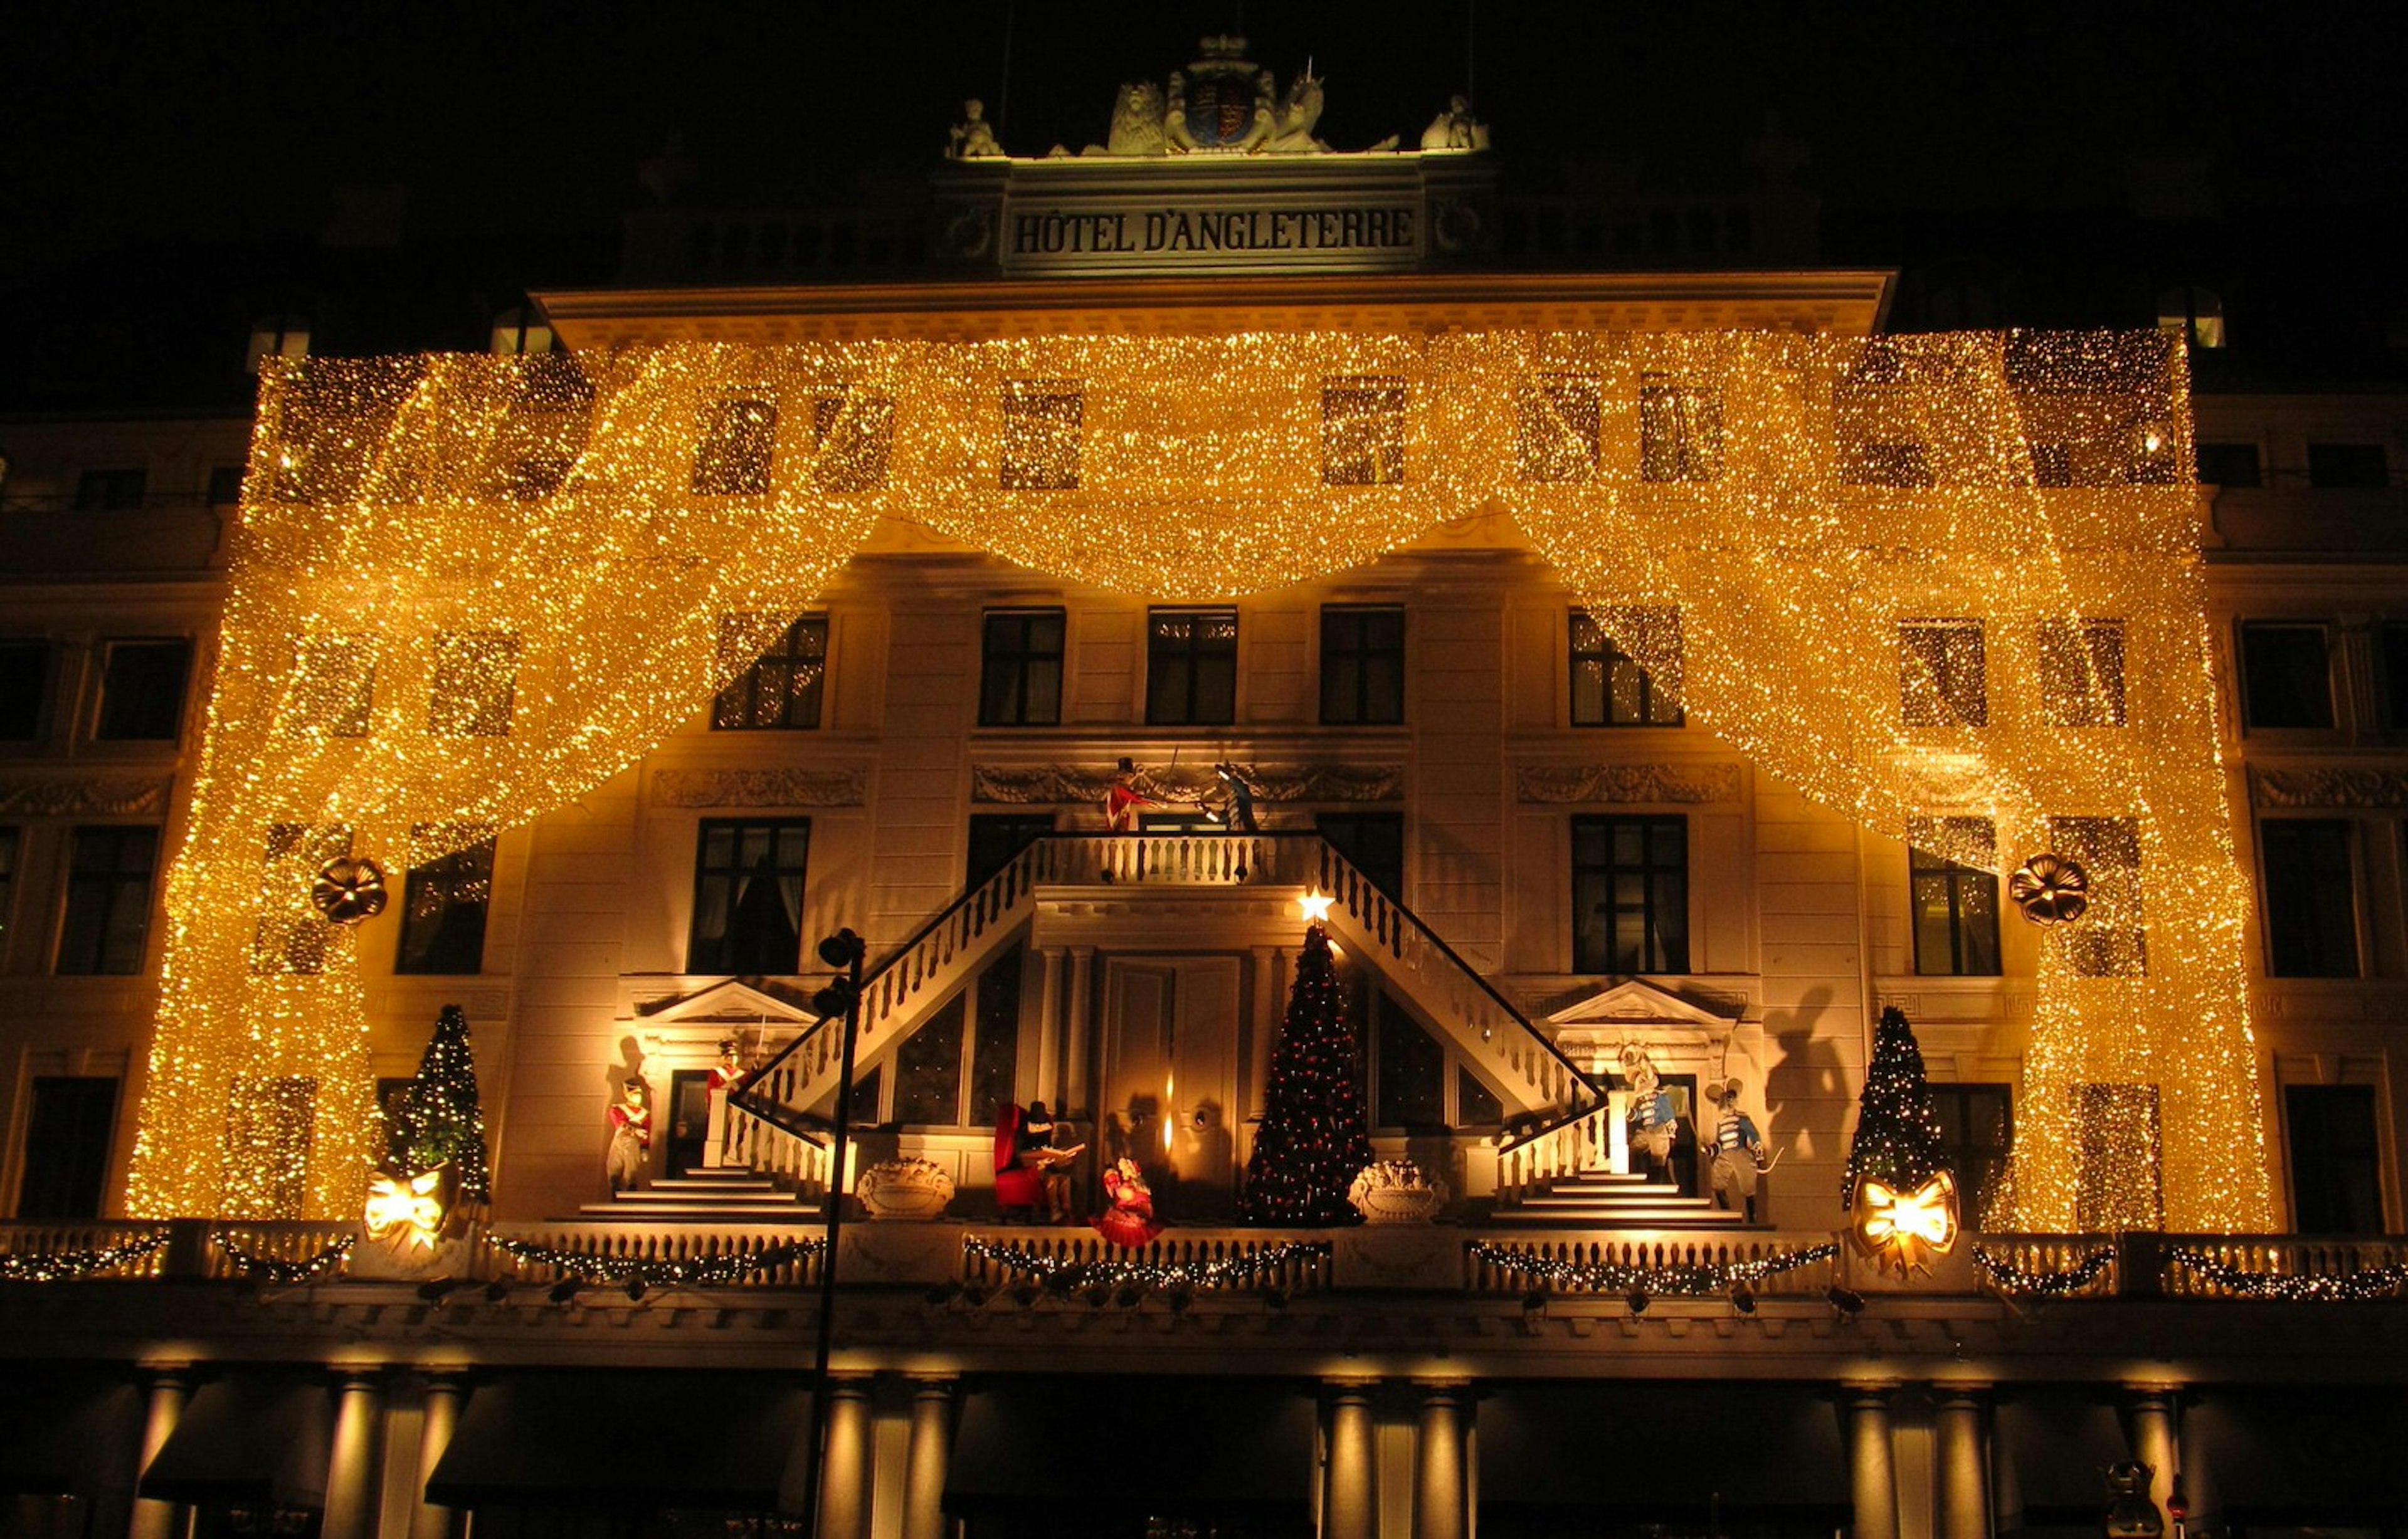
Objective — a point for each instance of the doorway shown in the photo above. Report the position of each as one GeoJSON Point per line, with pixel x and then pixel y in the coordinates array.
{"type": "Point", "coordinates": [688, 1127]}
{"type": "Point", "coordinates": [1171, 1079]}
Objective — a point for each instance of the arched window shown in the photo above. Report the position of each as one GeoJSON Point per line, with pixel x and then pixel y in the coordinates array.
{"type": "Point", "coordinates": [521, 329]}
{"type": "Point", "coordinates": [276, 337]}
{"type": "Point", "coordinates": [2195, 312]}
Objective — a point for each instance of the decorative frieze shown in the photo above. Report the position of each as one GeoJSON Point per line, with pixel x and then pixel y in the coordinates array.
{"type": "Point", "coordinates": [761, 788]}
{"type": "Point", "coordinates": [1055, 784]}
{"type": "Point", "coordinates": [2328, 786]}
{"type": "Point", "coordinates": [122, 797]}
{"type": "Point", "coordinates": [1684, 784]}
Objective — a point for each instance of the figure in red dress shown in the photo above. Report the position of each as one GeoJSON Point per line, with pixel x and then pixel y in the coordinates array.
{"type": "Point", "coordinates": [1128, 1220]}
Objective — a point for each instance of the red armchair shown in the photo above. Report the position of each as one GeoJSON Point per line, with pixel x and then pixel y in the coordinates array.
{"type": "Point", "coordinates": [1016, 1186]}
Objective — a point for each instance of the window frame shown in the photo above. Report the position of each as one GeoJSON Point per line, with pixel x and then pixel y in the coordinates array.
{"type": "Point", "coordinates": [142, 885]}
{"type": "Point", "coordinates": [1020, 658]}
{"type": "Point", "coordinates": [1974, 1192]}
{"type": "Point", "coordinates": [1186, 658]}
{"type": "Point", "coordinates": [735, 455]}
{"type": "Point", "coordinates": [2340, 464]}
{"type": "Point", "coordinates": [111, 488]}
{"type": "Point", "coordinates": [1361, 653]}
{"type": "Point", "coordinates": [1365, 429]}
{"type": "Point", "coordinates": [1651, 872]}
{"type": "Point", "coordinates": [746, 688]}
{"type": "Point", "coordinates": [1607, 656]}
{"type": "Point", "coordinates": [2250, 705]}
{"type": "Point", "coordinates": [103, 730]}
{"type": "Point", "coordinates": [42, 657]}
{"type": "Point", "coordinates": [416, 881]}
{"type": "Point", "coordinates": [1965, 928]}
{"type": "Point", "coordinates": [452, 662]}
{"type": "Point", "coordinates": [1949, 713]}
{"type": "Point", "coordinates": [2280, 912]}
{"type": "Point", "coordinates": [735, 875]}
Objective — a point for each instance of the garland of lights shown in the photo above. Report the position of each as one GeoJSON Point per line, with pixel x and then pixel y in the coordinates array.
{"type": "Point", "coordinates": [637, 1276]}
{"type": "Point", "coordinates": [1681, 1281]}
{"type": "Point", "coordinates": [2026, 1282]}
{"type": "Point", "coordinates": [465, 591]}
{"type": "Point", "coordinates": [67, 1265]}
{"type": "Point", "coordinates": [1063, 1271]}
{"type": "Point", "coordinates": [270, 1269]}
{"type": "Point", "coordinates": [2382, 1282]}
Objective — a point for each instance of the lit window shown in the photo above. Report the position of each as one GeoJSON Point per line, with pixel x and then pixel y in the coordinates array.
{"type": "Point", "coordinates": [733, 459]}
{"type": "Point", "coordinates": [2111, 941]}
{"type": "Point", "coordinates": [1363, 431]}
{"type": "Point", "coordinates": [852, 435]}
{"type": "Point", "coordinates": [1020, 668]}
{"type": "Point", "coordinates": [1680, 431]}
{"type": "Point", "coordinates": [783, 687]}
{"type": "Point", "coordinates": [2311, 897]}
{"type": "Point", "coordinates": [2082, 672]}
{"type": "Point", "coordinates": [291, 936]}
{"type": "Point", "coordinates": [142, 691]}
{"type": "Point", "coordinates": [2285, 675]}
{"type": "Point", "coordinates": [475, 684]}
{"type": "Point", "coordinates": [1556, 424]}
{"type": "Point", "coordinates": [1190, 674]}
{"type": "Point", "coordinates": [109, 900]}
{"type": "Point", "coordinates": [1609, 688]}
{"type": "Point", "coordinates": [521, 330]}
{"type": "Point", "coordinates": [1041, 422]}
{"type": "Point", "coordinates": [2193, 313]}
{"type": "Point", "coordinates": [1903, 463]}
{"type": "Point", "coordinates": [2051, 465]}
{"type": "Point", "coordinates": [1941, 674]}
{"type": "Point", "coordinates": [1955, 906]}
{"type": "Point", "coordinates": [334, 687]}
{"type": "Point", "coordinates": [443, 905]}
{"type": "Point", "coordinates": [276, 337]}
{"type": "Point", "coordinates": [748, 895]}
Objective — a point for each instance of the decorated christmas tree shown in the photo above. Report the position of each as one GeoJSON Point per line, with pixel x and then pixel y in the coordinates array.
{"type": "Point", "coordinates": [1311, 1142]}
{"type": "Point", "coordinates": [439, 1118]}
{"type": "Point", "coordinates": [1898, 1141]}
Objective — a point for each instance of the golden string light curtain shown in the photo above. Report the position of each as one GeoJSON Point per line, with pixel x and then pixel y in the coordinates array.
{"type": "Point", "coordinates": [1949, 586]}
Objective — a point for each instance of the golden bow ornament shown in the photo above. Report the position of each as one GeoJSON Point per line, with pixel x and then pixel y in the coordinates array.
{"type": "Point", "coordinates": [1906, 1228]}
{"type": "Point", "coordinates": [406, 1209]}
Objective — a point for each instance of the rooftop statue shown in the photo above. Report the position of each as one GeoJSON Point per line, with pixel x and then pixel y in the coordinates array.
{"type": "Point", "coordinates": [1219, 105]}
{"type": "Point", "coordinates": [1455, 128]}
{"type": "Point", "coordinates": [973, 138]}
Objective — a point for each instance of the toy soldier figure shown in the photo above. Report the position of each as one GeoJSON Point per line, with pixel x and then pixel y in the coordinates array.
{"type": "Point", "coordinates": [726, 1076]}
{"type": "Point", "coordinates": [631, 1137]}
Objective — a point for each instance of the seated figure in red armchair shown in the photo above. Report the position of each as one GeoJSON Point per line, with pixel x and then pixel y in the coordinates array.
{"type": "Point", "coordinates": [1031, 1172]}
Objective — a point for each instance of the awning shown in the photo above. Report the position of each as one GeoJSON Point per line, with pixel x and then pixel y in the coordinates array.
{"type": "Point", "coordinates": [1657, 1451]}
{"type": "Point", "coordinates": [251, 1437]}
{"type": "Point", "coordinates": [2052, 1449]}
{"type": "Point", "coordinates": [723, 1441]}
{"type": "Point", "coordinates": [2299, 1457]}
{"type": "Point", "coordinates": [68, 1430]}
{"type": "Point", "coordinates": [1143, 1440]}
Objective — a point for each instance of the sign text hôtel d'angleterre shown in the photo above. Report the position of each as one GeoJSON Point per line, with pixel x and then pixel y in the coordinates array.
{"type": "Point", "coordinates": [1045, 238]}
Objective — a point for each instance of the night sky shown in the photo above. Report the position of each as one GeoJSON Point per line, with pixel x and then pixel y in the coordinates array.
{"type": "Point", "coordinates": [138, 136]}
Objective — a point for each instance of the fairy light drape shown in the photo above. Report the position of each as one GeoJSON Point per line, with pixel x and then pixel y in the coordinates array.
{"type": "Point", "coordinates": [1934, 583]}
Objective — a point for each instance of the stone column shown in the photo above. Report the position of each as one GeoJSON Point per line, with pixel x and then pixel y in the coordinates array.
{"type": "Point", "coordinates": [845, 1482]}
{"type": "Point", "coordinates": [1964, 1458]}
{"type": "Point", "coordinates": [1872, 1480]}
{"type": "Point", "coordinates": [352, 1462]}
{"type": "Point", "coordinates": [1076, 1094]}
{"type": "Point", "coordinates": [1049, 1031]}
{"type": "Point", "coordinates": [1349, 1492]}
{"type": "Point", "coordinates": [426, 1519]}
{"type": "Point", "coordinates": [169, 1391]}
{"type": "Point", "coordinates": [2153, 1437]}
{"type": "Point", "coordinates": [923, 1469]}
{"type": "Point", "coordinates": [1438, 1506]}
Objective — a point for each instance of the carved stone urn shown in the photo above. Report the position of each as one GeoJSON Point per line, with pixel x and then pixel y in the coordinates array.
{"type": "Point", "coordinates": [908, 1189]}
{"type": "Point", "coordinates": [1396, 1191]}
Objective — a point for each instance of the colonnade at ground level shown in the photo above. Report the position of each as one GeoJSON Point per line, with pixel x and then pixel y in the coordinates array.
{"type": "Point", "coordinates": [1387, 1458]}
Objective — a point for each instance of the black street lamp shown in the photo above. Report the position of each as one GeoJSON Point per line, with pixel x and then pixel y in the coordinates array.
{"type": "Point", "coordinates": [845, 951]}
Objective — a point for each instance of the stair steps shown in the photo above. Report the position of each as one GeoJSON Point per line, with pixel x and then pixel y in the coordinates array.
{"type": "Point", "coordinates": [1605, 1199]}
{"type": "Point", "coordinates": [728, 1194]}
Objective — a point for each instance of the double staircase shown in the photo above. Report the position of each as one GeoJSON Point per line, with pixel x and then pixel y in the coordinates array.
{"type": "Point", "coordinates": [1606, 1199]}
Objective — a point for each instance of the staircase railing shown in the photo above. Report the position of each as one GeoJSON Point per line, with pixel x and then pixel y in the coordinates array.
{"type": "Point", "coordinates": [1566, 1145]}
{"type": "Point", "coordinates": [944, 953]}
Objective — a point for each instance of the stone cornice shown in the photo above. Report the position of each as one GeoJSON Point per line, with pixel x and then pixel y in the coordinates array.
{"type": "Point", "coordinates": [2328, 786]}
{"type": "Point", "coordinates": [69, 796]}
{"type": "Point", "coordinates": [1041, 785]}
{"type": "Point", "coordinates": [761, 788]}
{"type": "Point", "coordinates": [1679, 784]}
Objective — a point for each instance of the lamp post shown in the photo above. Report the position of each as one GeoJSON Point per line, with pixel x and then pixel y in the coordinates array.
{"type": "Point", "coordinates": [844, 950]}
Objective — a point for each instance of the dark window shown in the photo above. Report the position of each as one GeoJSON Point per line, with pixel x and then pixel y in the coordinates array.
{"type": "Point", "coordinates": [852, 435]}
{"type": "Point", "coordinates": [443, 907]}
{"type": "Point", "coordinates": [532, 477]}
{"type": "Point", "coordinates": [25, 682]}
{"type": "Point", "coordinates": [337, 685]}
{"type": "Point", "coordinates": [1363, 431]}
{"type": "Point", "coordinates": [2394, 642]}
{"type": "Point", "coordinates": [1680, 431]}
{"type": "Point", "coordinates": [928, 1069]}
{"type": "Point", "coordinates": [96, 490]}
{"type": "Point", "coordinates": [995, 837]}
{"type": "Point", "coordinates": [1362, 666]}
{"type": "Point", "coordinates": [1609, 688]}
{"type": "Point", "coordinates": [2230, 465]}
{"type": "Point", "coordinates": [475, 688]}
{"type": "Point", "coordinates": [1020, 668]}
{"type": "Point", "coordinates": [1191, 667]}
{"type": "Point", "coordinates": [225, 486]}
{"type": "Point", "coordinates": [8, 842]}
{"type": "Point", "coordinates": [67, 1136]}
{"type": "Point", "coordinates": [1956, 906]}
{"type": "Point", "coordinates": [2336, 1160]}
{"type": "Point", "coordinates": [783, 688]}
{"type": "Point", "coordinates": [1904, 465]}
{"type": "Point", "coordinates": [2112, 940]}
{"type": "Point", "coordinates": [1630, 895]}
{"type": "Point", "coordinates": [2119, 1178]}
{"type": "Point", "coordinates": [2311, 898]}
{"type": "Point", "coordinates": [1942, 674]}
{"type": "Point", "coordinates": [108, 899]}
{"type": "Point", "coordinates": [1556, 424]}
{"type": "Point", "coordinates": [2051, 465]}
{"type": "Point", "coordinates": [1041, 422]}
{"type": "Point", "coordinates": [748, 895]}
{"type": "Point", "coordinates": [142, 691]}
{"type": "Point", "coordinates": [2082, 672]}
{"type": "Point", "coordinates": [2348, 464]}
{"type": "Point", "coordinates": [2285, 679]}
{"type": "Point", "coordinates": [994, 1038]}
{"type": "Point", "coordinates": [1373, 844]}
{"type": "Point", "coordinates": [1977, 1124]}
{"type": "Point", "coordinates": [1475, 1105]}
{"type": "Point", "coordinates": [733, 459]}
{"type": "Point", "coordinates": [1408, 1087]}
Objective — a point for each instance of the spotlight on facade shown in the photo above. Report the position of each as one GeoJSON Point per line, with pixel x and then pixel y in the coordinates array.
{"type": "Point", "coordinates": [1638, 1301]}
{"type": "Point", "coordinates": [1743, 1300]}
{"type": "Point", "coordinates": [1847, 1301]}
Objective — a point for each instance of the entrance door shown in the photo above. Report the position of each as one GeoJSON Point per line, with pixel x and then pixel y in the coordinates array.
{"type": "Point", "coordinates": [1171, 1079]}
{"type": "Point", "coordinates": [689, 1120]}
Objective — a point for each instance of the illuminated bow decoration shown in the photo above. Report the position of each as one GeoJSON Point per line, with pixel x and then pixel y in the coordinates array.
{"type": "Point", "coordinates": [1906, 1228]}
{"type": "Point", "coordinates": [406, 1207]}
